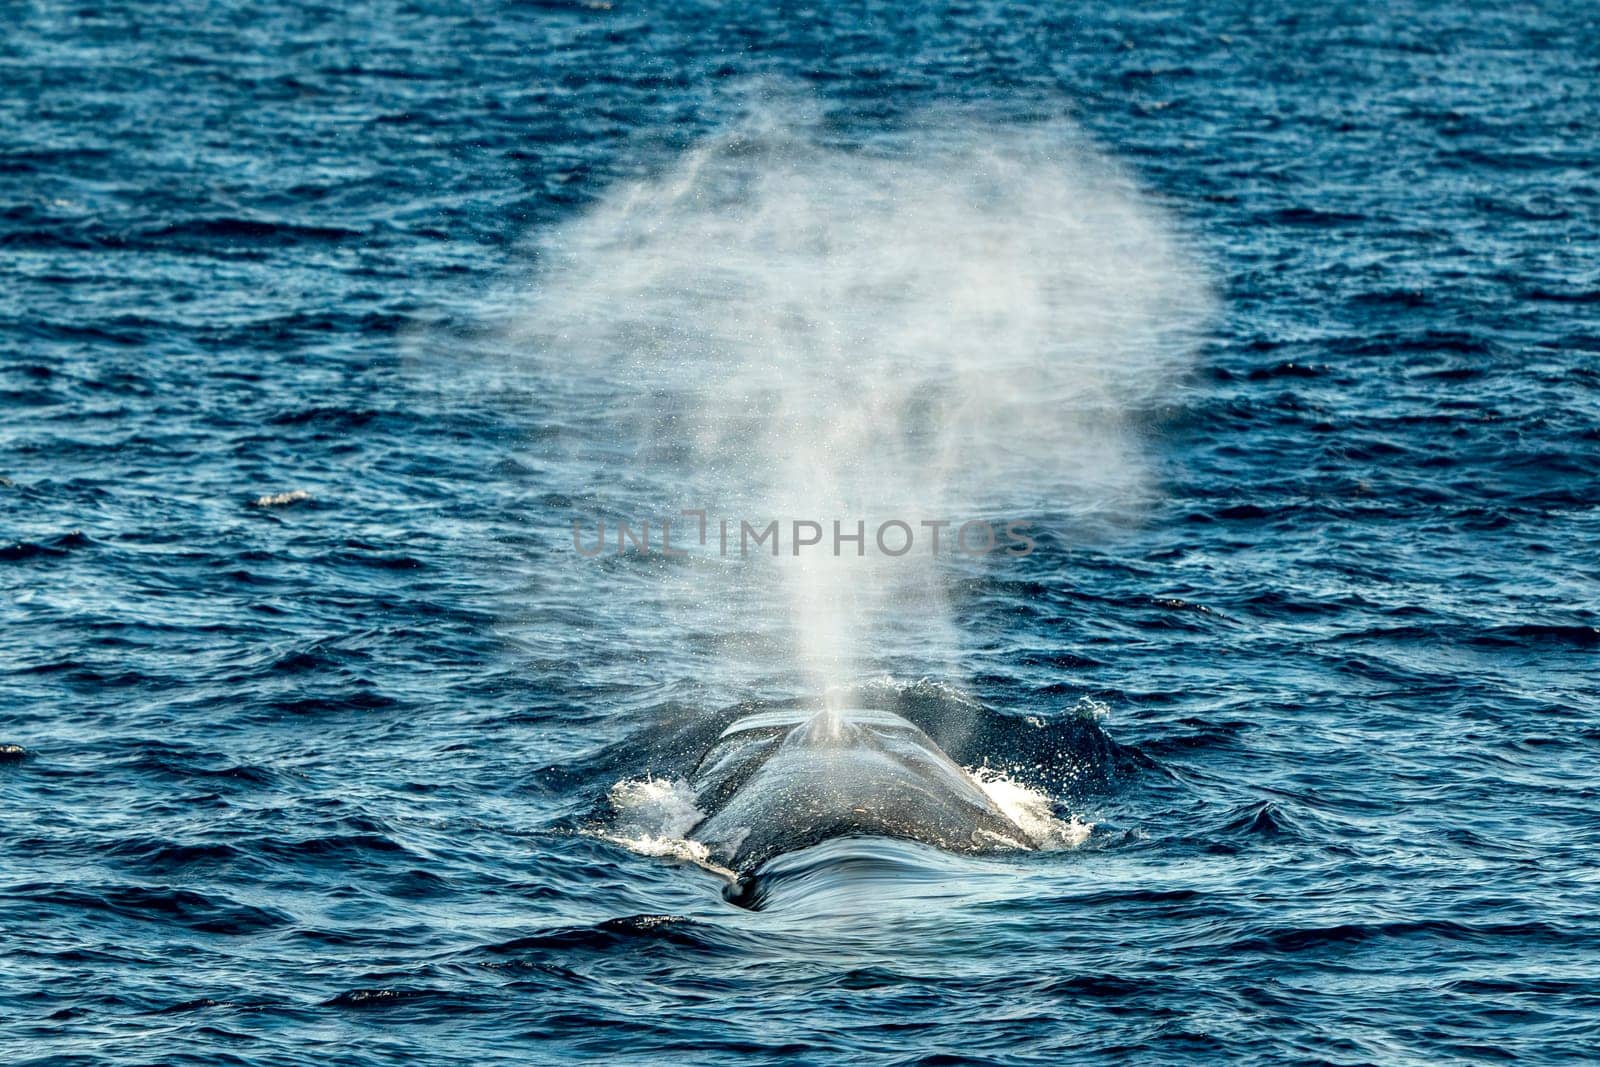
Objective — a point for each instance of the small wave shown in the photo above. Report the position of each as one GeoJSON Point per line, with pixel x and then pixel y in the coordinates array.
{"type": "Point", "coordinates": [1278, 940]}
{"type": "Point", "coordinates": [1567, 296]}
{"type": "Point", "coordinates": [389, 998]}
{"type": "Point", "coordinates": [333, 704]}
{"type": "Point", "coordinates": [247, 229]}
{"type": "Point", "coordinates": [338, 418]}
{"type": "Point", "coordinates": [1287, 370]}
{"type": "Point", "coordinates": [191, 763]}
{"type": "Point", "coordinates": [1261, 819]}
{"type": "Point", "coordinates": [207, 913]}
{"type": "Point", "coordinates": [157, 856]}
{"type": "Point", "coordinates": [377, 561]}
{"type": "Point", "coordinates": [1305, 216]}
{"type": "Point", "coordinates": [605, 937]}
{"type": "Point", "coordinates": [206, 1004]}
{"type": "Point", "coordinates": [1539, 633]}
{"type": "Point", "coordinates": [54, 549]}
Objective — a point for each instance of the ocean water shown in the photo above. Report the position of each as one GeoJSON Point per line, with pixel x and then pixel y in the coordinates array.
{"type": "Point", "coordinates": [322, 325]}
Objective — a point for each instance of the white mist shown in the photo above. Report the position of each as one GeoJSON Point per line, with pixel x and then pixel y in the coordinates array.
{"type": "Point", "coordinates": [963, 320]}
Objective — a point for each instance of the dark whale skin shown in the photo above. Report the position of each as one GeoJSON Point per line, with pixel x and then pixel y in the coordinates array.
{"type": "Point", "coordinates": [777, 783]}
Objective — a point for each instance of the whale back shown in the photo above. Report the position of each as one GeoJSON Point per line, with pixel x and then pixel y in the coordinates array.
{"type": "Point", "coordinates": [783, 781]}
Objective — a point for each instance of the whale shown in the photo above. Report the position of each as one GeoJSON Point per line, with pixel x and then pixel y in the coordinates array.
{"type": "Point", "coordinates": [777, 782]}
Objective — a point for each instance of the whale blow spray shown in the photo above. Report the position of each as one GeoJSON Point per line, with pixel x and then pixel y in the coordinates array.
{"type": "Point", "coordinates": [958, 320]}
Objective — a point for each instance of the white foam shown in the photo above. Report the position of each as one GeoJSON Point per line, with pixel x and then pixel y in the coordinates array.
{"type": "Point", "coordinates": [1088, 707]}
{"type": "Point", "coordinates": [1031, 810]}
{"type": "Point", "coordinates": [654, 817]}
{"type": "Point", "coordinates": [275, 500]}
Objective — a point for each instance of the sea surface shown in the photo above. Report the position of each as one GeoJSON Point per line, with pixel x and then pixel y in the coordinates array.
{"type": "Point", "coordinates": [322, 324]}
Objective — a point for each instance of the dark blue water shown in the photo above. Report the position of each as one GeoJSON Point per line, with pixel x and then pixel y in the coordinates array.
{"type": "Point", "coordinates": [312, 778]}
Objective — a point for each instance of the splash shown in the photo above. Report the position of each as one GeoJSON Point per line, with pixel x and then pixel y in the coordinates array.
{"type": "Point", "coordinates": [653, 817]}
{"type": "Point", "coordinates": [1031, 809]}
{"type": "Point", "coordinates": [960, 320]}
